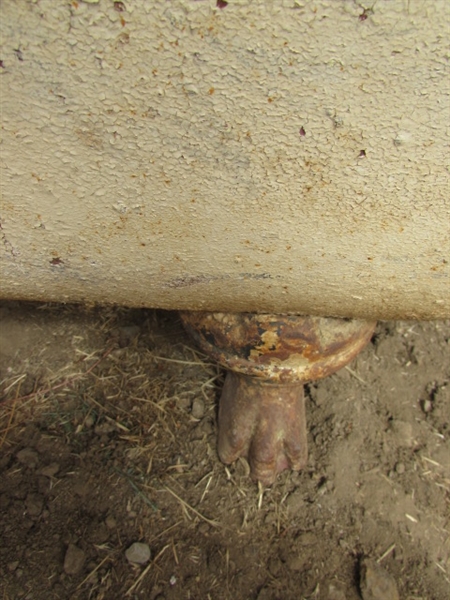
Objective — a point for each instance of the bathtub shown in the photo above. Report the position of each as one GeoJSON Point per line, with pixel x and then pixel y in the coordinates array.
{"type": "Point", "coordinates": [287, 156]}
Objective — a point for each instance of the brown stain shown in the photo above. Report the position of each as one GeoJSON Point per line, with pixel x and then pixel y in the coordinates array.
{"type": "Point", "coordinates": [89, 138]}
{"type": "Point", "coordinates": [258, 345]}
{"type": "Point", "coordinates": [55, 262]}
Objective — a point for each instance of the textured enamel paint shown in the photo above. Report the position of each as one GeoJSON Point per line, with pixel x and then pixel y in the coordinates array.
{"type": "Point", "coordinates": [283, 156]}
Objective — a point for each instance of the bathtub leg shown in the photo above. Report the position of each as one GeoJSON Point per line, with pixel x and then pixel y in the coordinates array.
{"type": "Point", "coordinates": [269, 358]}
{"type": "Point", "coordinates": [264, 423]}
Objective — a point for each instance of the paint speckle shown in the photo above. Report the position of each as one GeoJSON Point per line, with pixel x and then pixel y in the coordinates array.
{"type": "Point", "coordinates": [55, 262]}
{"type": "Point", "coordinates": [221, 4]}
{"type": "Point", "coordinates": [19, 54]}
{"type": "Point", "coordinates": [365, 14]}
{"type": "Point", "coordinates": [302, 131]}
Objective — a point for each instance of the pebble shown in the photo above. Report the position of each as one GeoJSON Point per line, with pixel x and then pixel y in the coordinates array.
{"type": "Point", "coordinates": [89, 421]}
{"type": "Point", "coordinates": [427, 406]}
{"type": "Point", "coordinates": [400, 468]}
{"type": "Point", "coordinates": [74, 560]}
{"type": "Point", "coordinates": [376, 583]}
{"type": "Point", "coordinates": [138, 553]}
{"type": "Point", "coordinates": [110, 522]}
{"type": "Point", "coordinates": [198, 408]}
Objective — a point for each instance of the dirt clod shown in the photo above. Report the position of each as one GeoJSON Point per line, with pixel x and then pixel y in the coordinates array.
{"type": "Point", "coordinates": [34, 504]}
{"type": "Point", "coordinates": [50, 470]}
{"type": "Point", "coordinates": [28, 457]}
{"type": "Point", "coordinates": [74, 560]}
{"type": "Point", "coordinates": [376, 583]}
{"type": "Point", "coordinates": [198, 408]}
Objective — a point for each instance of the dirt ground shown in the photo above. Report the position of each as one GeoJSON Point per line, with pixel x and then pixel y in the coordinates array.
{"type": "Point", "coordinates": [108, 437]}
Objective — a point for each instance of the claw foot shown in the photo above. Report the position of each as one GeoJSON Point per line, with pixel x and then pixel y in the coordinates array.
{"type": "Point", "coordinates": [264, 423]}
{"type": "Point", "coordinates": [269, 357]}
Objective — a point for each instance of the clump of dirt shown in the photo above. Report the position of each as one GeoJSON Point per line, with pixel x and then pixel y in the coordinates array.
{"type": "Point", "coordinates": [108, 437]}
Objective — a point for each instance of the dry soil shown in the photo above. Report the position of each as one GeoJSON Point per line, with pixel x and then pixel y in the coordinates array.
{"type": "Point", "coordinates": [108, 437]}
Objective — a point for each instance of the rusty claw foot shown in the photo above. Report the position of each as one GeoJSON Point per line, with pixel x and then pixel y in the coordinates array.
{"type": "Point", "coordinates": [269, 357]}
{"type": "Point", "coordinates": [264, 423]}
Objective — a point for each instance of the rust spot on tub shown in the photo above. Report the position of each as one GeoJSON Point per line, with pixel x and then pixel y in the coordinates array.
{"type": "Point", "coordinates": [365, 14]}
{"type": "Point", "coordinates": [55, 262]}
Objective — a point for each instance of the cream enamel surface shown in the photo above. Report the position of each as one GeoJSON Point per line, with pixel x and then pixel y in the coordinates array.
{"type": "Point", "coordinates": [284, 156]}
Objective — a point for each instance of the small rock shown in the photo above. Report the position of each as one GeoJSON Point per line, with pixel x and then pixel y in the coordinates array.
{"type": "Point", "coordinates": [400, 468]}
{"type": "Point", "coordinates": [427, 406]}
{"type": "Point", "coordinates": [110, 522]}
{"type": "Point", "coordinates": [12, 566]}
{"type": "Point", "coordinates": [376, 583]}
{"type": "Point", "coordinates": [89, 421]}
{"type": "Point", "coordinates": [138, 553]}
{"type": "Point", "coordinates": [198, 408]}
{"type": "Point", "coordinates": [74, 560]}
{"type": "Point", "coordinates": [28, 457]}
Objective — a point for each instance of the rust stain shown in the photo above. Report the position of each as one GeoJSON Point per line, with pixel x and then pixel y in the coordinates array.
{"type": "Point", "coordinates": [279, 348]}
